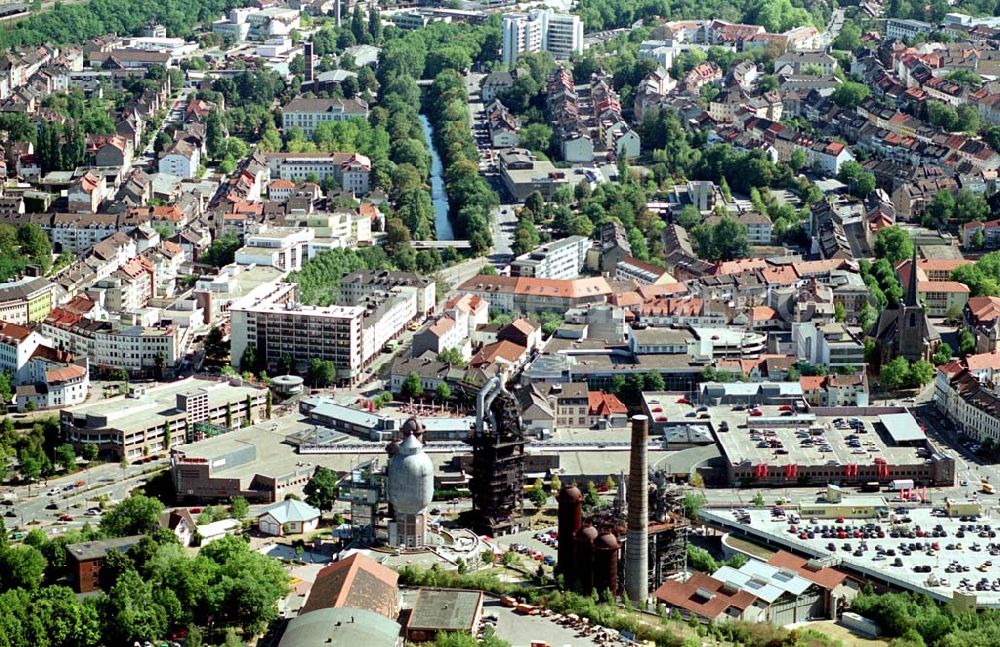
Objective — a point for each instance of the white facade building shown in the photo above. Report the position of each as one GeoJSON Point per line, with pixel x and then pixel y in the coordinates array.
{"type": "Point", "coordinates": [542, 30]}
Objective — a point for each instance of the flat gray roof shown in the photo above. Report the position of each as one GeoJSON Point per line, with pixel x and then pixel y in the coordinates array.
{"type": "Point", "coordinates": [902, 427]}
{"type": "Point", "coordinates": [445, 609]}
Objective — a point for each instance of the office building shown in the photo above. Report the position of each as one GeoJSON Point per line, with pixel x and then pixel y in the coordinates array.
{"type": "Point", "coordinates": [542, 30]}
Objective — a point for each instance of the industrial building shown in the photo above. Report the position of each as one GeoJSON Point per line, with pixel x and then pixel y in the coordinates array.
{"type": "Point", "coordinates": [651, 519]}
{"type": "Point", "coordinates": [443, 610]}
{"type": "Point", "coordinates": [497, 483]}
{"type": "Point", "coordinates": [409, 487]}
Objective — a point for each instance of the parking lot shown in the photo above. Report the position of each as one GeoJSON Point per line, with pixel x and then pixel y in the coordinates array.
{"type": "Point", "coordinates": [539, 546]}
{"type": "Point", "coordinates": [914, 548]}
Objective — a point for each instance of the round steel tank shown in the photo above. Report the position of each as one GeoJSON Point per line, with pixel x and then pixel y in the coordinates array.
{"type": "Point", "coordinates": [584, 565]}
{"type": "Point", "coordinates": [606, 550]}
{"type": "Point", "coordinates": [410, 478]}
{"type": "Point", "coordinates": [570, 519]}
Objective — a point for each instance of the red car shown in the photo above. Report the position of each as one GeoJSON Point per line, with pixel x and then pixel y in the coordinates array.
{"type": "Point", "coordinates": [66, 517]}
{"type": "Point", "coordinates": [756, 413]}
{"type": "Point", "coordinates": [683, 401]}
{"type": "Point", "coordinates": [785, 407]}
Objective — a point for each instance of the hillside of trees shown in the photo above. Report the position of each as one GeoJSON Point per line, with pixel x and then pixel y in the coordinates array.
{"type": "Point", "coordinates": [75, 23]}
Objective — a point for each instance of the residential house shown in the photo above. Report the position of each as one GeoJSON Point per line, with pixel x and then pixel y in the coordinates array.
{"type": "Point", "coordinates": [180, 159]}
{"type": "Point", "coordinates": [289, 517]}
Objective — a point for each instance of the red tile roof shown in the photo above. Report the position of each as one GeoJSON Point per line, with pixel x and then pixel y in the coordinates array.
{"type": "Point", "coordinates": [604, 404]}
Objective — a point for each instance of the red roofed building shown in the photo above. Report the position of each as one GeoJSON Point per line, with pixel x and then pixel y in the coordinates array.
{"type": "Point", "coordinates": [981, 317]}
{"type": "Point", "coordinates": [707, 598]}
{"type": "Point", "coordinates": [605, 410]}
{"type": "Point", "coordinates": [356, 582]}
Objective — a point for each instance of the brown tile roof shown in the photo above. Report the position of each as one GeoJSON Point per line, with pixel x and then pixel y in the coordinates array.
{"type": "Point", "coordinates": [985, 309]}
{"type": "Point", "coordinates": [13, 332]}
{"type": "Point", "coordinates": [503, 349]}
{"type": "Point", "coordinates": [356, 582]}
{"type": "Point", "coordinates": [686, 595]}
{"type": "Point", "coordinates": [828, 578]}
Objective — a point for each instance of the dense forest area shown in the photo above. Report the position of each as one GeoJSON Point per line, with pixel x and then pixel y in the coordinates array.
{"type": "Point", "coordinates": [66, 24]}
{"type": "Point", "coordinates": [774, 15]}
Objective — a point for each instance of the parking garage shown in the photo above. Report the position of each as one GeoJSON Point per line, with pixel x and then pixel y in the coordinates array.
{"type": "Point", "coordinates": [917, 549]}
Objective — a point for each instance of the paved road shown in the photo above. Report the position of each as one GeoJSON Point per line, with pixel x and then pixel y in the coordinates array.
{"type": "Point", "coordinates": [105, 479]}
{"type": "Point", "coordinates": [833, 28]}
{"type": "Point", "coordinates": [504, 225]}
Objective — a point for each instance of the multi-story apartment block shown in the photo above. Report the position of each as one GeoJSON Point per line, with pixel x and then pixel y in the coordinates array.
{"type": "Point", "coordinates": [284, 248]}
{"type": "Point", "coordinates": [352, 171]}
{"type": "Point", "coordinates": [560, 259]}
{"type": "Point", "coordinates": [111, 345]}
{"type": "Point", "coordinates": [271, 321]}
{"type": "Point", "coordinates": [308, 113]}
{"type": "Point", "coordinates": [43, 376]}
{"type": "Point", "coordinates": [542, 30]}
{"type": "Point", "coordinates": [358, 286]}
{"type": "Point", "coordinates": [26, 300]}
{"type": "Point", "coordinates": [902, 28]}
{"type": "Point", "coordinates": [528, 294]}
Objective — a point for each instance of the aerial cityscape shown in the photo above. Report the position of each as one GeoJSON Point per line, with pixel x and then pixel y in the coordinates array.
{"type": "Point", "coordinates": [559, 323]}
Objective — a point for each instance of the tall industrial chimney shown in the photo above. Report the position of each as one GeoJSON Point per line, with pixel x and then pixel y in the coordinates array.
{"type": "Point", "coordinates": [637, 545]}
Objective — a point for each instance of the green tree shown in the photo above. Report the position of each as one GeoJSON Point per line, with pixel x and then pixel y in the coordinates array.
{"type": "Point", "coordinates": [412, 387]}
{"type": "Point", "coordinates": [591, 497]}
{"type": "Point", "coordinates": [535, 137]}
{"type": "Point", "coordinates": [893, 244]}
{"type": "Point", "coordinates": [689, 217]}
{"type": "Point", "coordinates": [89, 451]}
{"type": "Point", "coordinates": [21, 567]}
{"type": "Point", "coordinates": [849, 94]}
{"type": "Point", "coordinates": [723, 241]}
{"type": "Point", "coordinates": [555, 484]}
{"type": "Point", "coordinates": [966, 342]}
{"type": "Point", "coordinates": [839, 312]}
{"type": "Point", "coordinates": [321, 490]}
{"type": "Point", "coordinates": [701, 560]}
{"type": "Point", "coordinates": [215, 136]}
{"type": "Point", "coordinates": [443, 391]}
{"type": "Point", "coordinates": [216, 348]}
{"type": "Point", "coordinates": [321, 372]}
{"type": "Point", "coordinates": [943, 354]}
{"type": "Point", "coordinates": [135, 515]}
{"type": "Point", "coordinates": [921, 372]}
{"type": "Point", "coordinates": [860, 181]}
{"type": "Point", "coordinates": [66, 456]}
{"type": "Point", "coordinates": [895, 374]}
{"type": "Point", "coordinates": [537, 494]}
{"type": "Point", "coordinates": [239, 508]}
{"type": "Point", "coordinates": [131, 611]}
{"type": "Point", "coordinates": [943, 115]}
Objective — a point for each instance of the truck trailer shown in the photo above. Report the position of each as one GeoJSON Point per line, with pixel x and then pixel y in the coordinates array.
{"type": "Point", "coordinates": [901, 484]}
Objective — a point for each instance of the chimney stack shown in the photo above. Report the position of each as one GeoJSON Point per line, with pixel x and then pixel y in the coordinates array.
{"type": "Point", "coordinates": [637, 546]}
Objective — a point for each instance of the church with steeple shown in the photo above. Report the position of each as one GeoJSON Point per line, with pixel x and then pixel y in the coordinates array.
{"type": "Point", "coordinates": [902, 329]}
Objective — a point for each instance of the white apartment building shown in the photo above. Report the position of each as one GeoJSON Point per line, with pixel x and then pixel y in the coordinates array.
{"type": "Point", "coordinates": [386, 318]}
{"type": "Point", "coordinates": [271, 320]}
{"type": "Point", "coordinates": [181, 159]}
{"type": "Point", "coordinates": [830, 344]}
{"type": "Point", "coordinates": [284, 248]}
{"type": "Point", "coordinates": [660, 52]}
{"type": "Point", "coordinates": [903, 28]}
{"type": "Point", "coordinates": [358, 286]}
{"type": "Point", "coordinates": [538, 31]}
{"type": "Point", "coordinates": [352, 171]}
{"type": "Point", "coordinates": [333, 230]}
{"type": "Point", "coordinates": [560, 259]}
{"type": "Point", "coordinates": [308, 113]}
{"type": "Point", "coordinates": [42, 375]}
